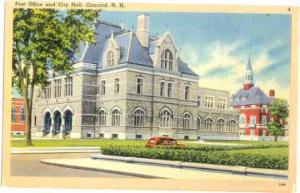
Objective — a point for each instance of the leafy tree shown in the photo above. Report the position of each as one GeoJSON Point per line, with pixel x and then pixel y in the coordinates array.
{"type": "Point", "coordinates": [43, 39]}
{"type": "Point", "coordinates": [279, 111]}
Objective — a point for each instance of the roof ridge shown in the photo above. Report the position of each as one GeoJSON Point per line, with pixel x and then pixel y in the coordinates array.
{"type": "Point", "coordinates": [108, 23]}
{"type": "Point", "coordinates": [129, 46]}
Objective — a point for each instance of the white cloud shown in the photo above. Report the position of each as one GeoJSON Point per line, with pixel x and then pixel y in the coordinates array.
{"type": "Point", "coordinates": [220, 55]}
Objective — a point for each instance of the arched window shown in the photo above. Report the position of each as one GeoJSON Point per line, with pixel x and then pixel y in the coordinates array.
{"type": "Point", "coordinates": [220, 125]}
{"type": "Point", "coordinates": [110, 58]}
{"type": "Point", "coordinates": [116, 115]}
{"type": "Point", "coordinates": [102, 117]}
{"type": "Point", "coordinates": [167, 60]}
{"type": "Point", "coordinates": [232, 125]}
{"type": "Point", "coordinates": [186, 121]}
{"type": "Point", "coordinates": [13, 114]}
{"type": "Point", "coordinates": [165, 118]}
{"type": "Point", "coordinates": [139, 118]}
{"type": "Point", "coordinates": [22, 114]}
{"type": "Point", "coordinates": [208, 124]}
{"type": "Point", "coordinates": [242, 119]}
{"type": "Point", "coordinates": [199, 123]}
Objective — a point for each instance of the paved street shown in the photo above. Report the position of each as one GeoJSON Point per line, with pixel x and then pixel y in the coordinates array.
{"type": "Point", "coordinates": [29, 165]}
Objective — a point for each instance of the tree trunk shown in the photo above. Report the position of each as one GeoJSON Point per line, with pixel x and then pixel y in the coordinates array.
{"type": "Point", "coordinates": [276, 137]}
{"type": "Point", "coordinates": [28, 141]}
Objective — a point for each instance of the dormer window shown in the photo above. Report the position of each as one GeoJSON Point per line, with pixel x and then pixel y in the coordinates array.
{"type": "Point", "coordinates": [110, 58]}
{"type": "Point", "coordinates": [167, 60]}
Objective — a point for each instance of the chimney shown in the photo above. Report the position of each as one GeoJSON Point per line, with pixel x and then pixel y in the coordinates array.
{"type": "Point", "coordinates": [272, 93]}
{"type": "Point", "coordinates": [142, 29]}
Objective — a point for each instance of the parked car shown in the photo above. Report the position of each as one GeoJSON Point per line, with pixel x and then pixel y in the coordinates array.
{"type": "Point", "coordinates": [163, 141]}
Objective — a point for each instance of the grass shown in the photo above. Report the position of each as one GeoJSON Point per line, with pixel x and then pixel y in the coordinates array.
{"type": "Point", "coordinates": [76, 142]}
{"type": "Point", "coordinates": [245, 142]}
{"type": "Point", "coordinates": [282, 151]}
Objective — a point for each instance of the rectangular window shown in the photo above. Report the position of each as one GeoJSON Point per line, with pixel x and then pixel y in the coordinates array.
{"type": "Point", "coordinates": [263, 119]}
{"type": "Point", "coordinates": [102, 87]}
{"type": "Point", "coordinates": [101, 135]}
{"type": "Point", "coordinates": [69, 86]}
{"type": "Point", "coordinates": [138, 136]}
{"type": "Point", "coordinates": [209, 102]}
{"type": "Point", "coordinates": [170, 85]}
{"type": "Point", "coordinates": [187, 92]}
{"type": "Point", "coordinates": [57, 88]}
{"type": "Point", "coordinates": [114, 136]}
{"type": "Point", "coordinates": [47, 91]}
{"type": "Point", "coordinates": [221, 103]}
{"type": "Point", "coordinates": [117, 85]}
{"type": "Point", "coordinates": [139, 85]}
{"type": "Point", "coordinates": [162, 88]}
{"type": "Point", "coordinates": [199, 101]}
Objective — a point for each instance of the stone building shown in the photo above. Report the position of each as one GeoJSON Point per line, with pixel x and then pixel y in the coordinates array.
{"type": "Point", "coordinates": [130, 85]}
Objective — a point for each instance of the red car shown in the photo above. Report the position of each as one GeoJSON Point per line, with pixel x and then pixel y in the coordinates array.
{"type": "Point", "coordinates": [162, 141]}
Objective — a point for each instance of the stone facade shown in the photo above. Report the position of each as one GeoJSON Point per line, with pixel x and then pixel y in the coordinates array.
{"type": "Point", "coordinates": [135, 91]}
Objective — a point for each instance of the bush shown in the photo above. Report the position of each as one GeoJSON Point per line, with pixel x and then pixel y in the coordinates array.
{"type": "Point", "coordinates": [210, 157]}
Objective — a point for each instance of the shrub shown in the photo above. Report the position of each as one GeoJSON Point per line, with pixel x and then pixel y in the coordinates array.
{"type": "Point", "coordinates": [210, 157]}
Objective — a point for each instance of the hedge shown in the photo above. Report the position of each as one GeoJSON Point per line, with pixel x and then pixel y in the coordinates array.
{"type": "Point", "coordinates": [210, 157]}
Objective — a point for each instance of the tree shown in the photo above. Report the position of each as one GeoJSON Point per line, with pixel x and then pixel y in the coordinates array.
{"type": "Point", "coordinates": [279, 111]}
{"type": "Point", "coordinates": [43, 39]}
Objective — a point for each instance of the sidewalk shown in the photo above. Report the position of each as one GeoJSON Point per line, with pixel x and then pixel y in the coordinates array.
{"type": "Point", "coordinates": [154, 171]}
{"type": "Point", "coordinates": [33, 150]}
{"type": "Point", "coordinates": [198, 166]}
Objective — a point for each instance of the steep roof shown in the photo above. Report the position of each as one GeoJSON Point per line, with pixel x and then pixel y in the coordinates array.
{"type": "Point", "coordinates": [252, 96]}
{"type": "Point", "coordinates": [130, 48]}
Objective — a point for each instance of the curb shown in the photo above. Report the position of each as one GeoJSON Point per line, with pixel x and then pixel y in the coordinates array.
{"type": "Point", "coordinates": [241, 170]}
{"type": "Point", "coordinates": [42, 150]}
{"type": "Point", "coordinates": [97, 170]}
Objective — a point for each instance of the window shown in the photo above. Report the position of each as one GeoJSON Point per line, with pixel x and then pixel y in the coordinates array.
{"type": "Point", "coordinates": [47, 91]}
{"type": "Point", "coordinates": [139, 85]}
{"type": "Point", "coordinates": [117, 85]}
{"type": "Point", "coordinates": [88, 135]}
{"type": "Point", "coordinates": [13, 115]}
{"type": "Point", "coordinates": [253, 120]}
{"type": "Point", "coordinates": [170, 89]}
{"type": "Point", "coordinates": [263, 119]}
{"type": "Point", "coordinates": [101, 135]}
{"type": "Point", "coordinates": [198, 123]}
{"type": "Point", "coordinates": [110, 58]}
{"type": "Point", "coordinates": [139, 118]}
{"type": "Point", "coordinates": [232, 125]}
{"type": "Point", "coordinates": [102, 117]}
{"type": "Point", "coordinates": [57, 88]}
{"type": "Point", "coordinates": [209, 102]}
{"type": "Point", "coordinates": [220, 125]}
{"type": "Point", "coordinates": [208, 124]}
{"type": "Point", "coordinates": [242, 119]}
{"type": "Point", "coordinates": [114, 136]}
{"type": "Point", "coordinates": [167, 60]}
{"type": "Point", "coordinates": [138, 136]}
{"type": "Point", "coordinates": [22, 115]}
{"type": "Point", "coordinates": [186, 137]}
{"type": "Point", "coordinates": [34, 120]}
{"type": "Point", "coordinates": [221, 103]}
{"type": "Point", "coordinates": [102, 87]}
{"type": "Point", "coordinates": [186, 121]}
{"type": "Point", "coordinates": [162, 88]}
{"type": "Point", "coordinates": [115, 121]}
{"type": "Point", "coordinates": [199, 101]}
{"type": "Point", "coordinates": [69, 86]}
{"type": "Point", "coordinates": [187, 92]}
{"type": "Point", "coordinates": [165, 119]}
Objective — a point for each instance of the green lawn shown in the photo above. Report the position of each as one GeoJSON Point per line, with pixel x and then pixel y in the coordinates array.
{"type": "Point", "coordinates": [282, 151]}
{"type": "Point", "coordinates": [76, 142]}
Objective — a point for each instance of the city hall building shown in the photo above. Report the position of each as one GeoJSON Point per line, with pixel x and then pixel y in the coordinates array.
{"type": "Point", "coordinates": [130, 85]}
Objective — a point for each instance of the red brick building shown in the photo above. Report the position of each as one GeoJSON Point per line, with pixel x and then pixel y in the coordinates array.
{"type": "Point", "coordinates": [252, 103]}
{"type": "Point", "coordinates": [17, 116]}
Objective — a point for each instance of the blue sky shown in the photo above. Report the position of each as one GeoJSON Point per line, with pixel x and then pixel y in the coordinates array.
{"type": "Point", "coordinates": [217, 45]}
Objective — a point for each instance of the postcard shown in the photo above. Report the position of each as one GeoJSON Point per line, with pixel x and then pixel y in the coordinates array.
{"type": "Point", "coordinates": [150, 96]}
